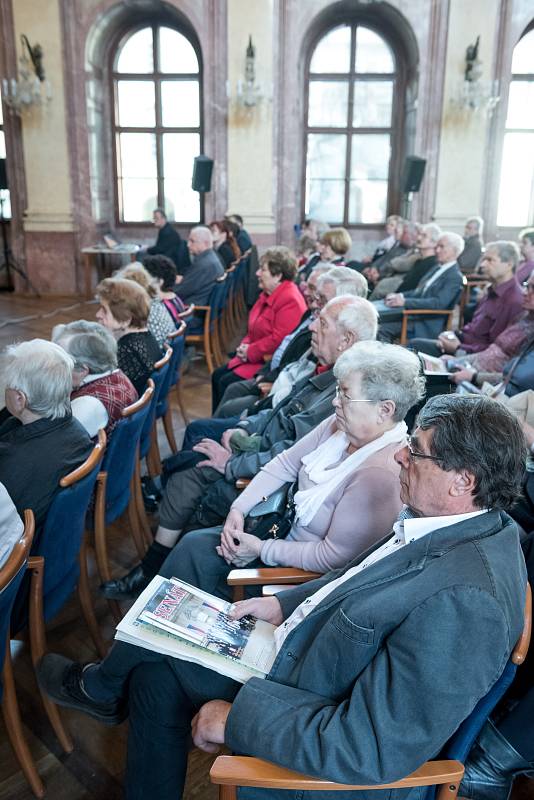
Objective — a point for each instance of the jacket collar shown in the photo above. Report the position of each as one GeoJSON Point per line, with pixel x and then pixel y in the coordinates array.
{"type": "Point", "coordinates": [323, 380]}
{"type": "Point", "coordinates": [13, 430]}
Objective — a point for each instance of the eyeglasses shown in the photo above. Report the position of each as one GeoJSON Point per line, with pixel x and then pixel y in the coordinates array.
{"type": "Point", "coordinates": [343, 398]}
{"type": "Point", "coordinates": [416, 454]}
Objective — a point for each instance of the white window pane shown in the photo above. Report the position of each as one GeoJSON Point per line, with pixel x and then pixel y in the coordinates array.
{"type": "Point", "coordinates": [368, 201]}
{"type": "Point", "coordinates": [179, 150]}
{"type": "Point", "coordinates": [136, 155]}
{"type": "Point", "coordinates": [523, 58]}
{"type": "Point", "coordinates": [521, 105]}
{"type": "Point", "coordinates": [370, 156]}
{"type": "Point", "coordinates": [176, 53]}
{"type": "Point", "coordinates": [517, 178]}
{"type": "Point", "coordinates": [2, 145]}
{"type": "Point", "coordinates": [328, 104]}
{"type": "Point", "coordinates": [136, 54]}
{"type": "Point", "coordinates": [332, 53]}
{"type": "Point", "coordinates": [373, 102]}
{"type": "Point", "coordinates": [325, 199]}
{"type": "Point", "coordinates": [326, 155]}
{"type": "Point", "coordinates": [180, 104]}
{"type": "Point", "coordinates": [136, 104]}
{"type": "Point", "coordinates": [1, 111]}
{"type": "Point", "coordinates": [181, 203]}
{"type": "Point", "coordinates": [138, 197]}
{"type": "Point", "coordinates": [372, 53]}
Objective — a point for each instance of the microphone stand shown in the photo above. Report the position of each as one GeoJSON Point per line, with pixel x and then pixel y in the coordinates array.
{"type": "Point", "coordinates": [9, 261]}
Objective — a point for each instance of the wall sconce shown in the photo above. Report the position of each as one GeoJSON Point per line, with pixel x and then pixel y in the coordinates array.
{"type": "Point", "coordinates": [29, 90]}
{"type": "Point", "coordinates": [474, 93]}
{"type": "Point", "coordinates": [248, 93]}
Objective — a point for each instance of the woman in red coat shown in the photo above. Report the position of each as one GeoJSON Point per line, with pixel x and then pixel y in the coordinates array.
{"type": "Point", "coordinates": [276, 313]}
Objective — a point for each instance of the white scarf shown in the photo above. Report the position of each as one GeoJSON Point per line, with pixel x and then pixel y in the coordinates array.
{"type": "Point", "coordinates": [316, 465]}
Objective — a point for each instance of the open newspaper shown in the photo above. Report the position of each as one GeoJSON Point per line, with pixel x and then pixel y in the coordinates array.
{"type": "Point", "coordinates": [179, 620]}
{"type": "Point", "coordinates": [433, 365]}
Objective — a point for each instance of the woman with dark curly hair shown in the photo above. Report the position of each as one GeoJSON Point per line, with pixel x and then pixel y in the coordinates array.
{"type": "Point", "coordinates": [163, 270]}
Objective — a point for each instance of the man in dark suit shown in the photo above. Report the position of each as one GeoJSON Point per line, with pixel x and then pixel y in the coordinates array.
{"type": "Point", "coordinates": [439, 288]}
{"type": "Point", "coordinates": [377, 663]}
{"type": "Point", "coordinates": [169, 242]}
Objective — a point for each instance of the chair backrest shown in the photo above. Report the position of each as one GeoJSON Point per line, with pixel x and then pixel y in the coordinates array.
{"type": "Point", "coordinates": [159, 379]}
{"type": "Point", "coordinates": [61, 538]}
{"type": "Point", "coordinates": [11, 576]}
{"type": "Point", "coordinates": [217, 298]}
{"type": "Point", "coordinates": [177, 343]}
{"type": "Point", "coordinates": [119, 461]}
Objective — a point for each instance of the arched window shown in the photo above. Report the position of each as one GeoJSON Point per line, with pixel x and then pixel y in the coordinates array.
{"type": "Point", "coordinates": [516, 189]}
{"type": "Point", "coordinates": [4, 193]}
{"type": "Point", "coordinates": [156, 75]}
{"type": "Point", "coordinates": [353, 114]}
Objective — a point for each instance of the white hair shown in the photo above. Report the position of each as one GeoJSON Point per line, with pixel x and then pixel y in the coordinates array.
{"type": "Point", "coordinates": [387, 372]}
{"type": "Point", "coordinates": [355, 315]}
{"type": "Point", "coordinates": [432, 230]}
{"type": "Point", "coordinates": [43, 372]}
{"type": "Point", "coordinates": [90, 344]}
{"type": "Point", "coordinates": [346, 281]}
{"type": "Point", "coordinates": [479, 222]}
{"type": "Point", "coordinates": [203, 233]}
{"type": "Point", "coordinates": [455, 241]}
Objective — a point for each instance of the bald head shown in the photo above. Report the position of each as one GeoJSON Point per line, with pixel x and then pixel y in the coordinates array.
{"type": "Point", "coordinates": [199, 240]}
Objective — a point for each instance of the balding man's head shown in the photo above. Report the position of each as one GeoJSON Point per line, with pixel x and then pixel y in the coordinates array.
{"type": "Point", "coordinates": [199, 240]}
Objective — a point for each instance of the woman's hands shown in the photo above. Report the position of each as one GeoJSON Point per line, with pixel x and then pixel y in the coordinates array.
{"type": "Point", "coordinates": [237, 547]}
{"type": "Point", "coordinates": [242, 351]}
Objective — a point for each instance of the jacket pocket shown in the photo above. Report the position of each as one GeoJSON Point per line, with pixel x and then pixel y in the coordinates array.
{"type": "Point", "coordinates": [353, 631]}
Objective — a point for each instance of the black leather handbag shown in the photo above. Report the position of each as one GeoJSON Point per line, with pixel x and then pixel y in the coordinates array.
{"type": "Point", "coordinates": [273, 517]}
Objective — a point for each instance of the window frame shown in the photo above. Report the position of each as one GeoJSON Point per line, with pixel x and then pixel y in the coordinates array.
{"type": "Point", "coordinates": [396, 130]}
{"type": "Point", "coordinates": [158, 129]}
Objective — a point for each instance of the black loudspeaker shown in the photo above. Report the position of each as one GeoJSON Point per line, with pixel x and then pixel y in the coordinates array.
{"type": "Point", "coordinates": [3, 175]}
{"type": "Point", "coordinates": [412, 176]}
{"type": "Point", "coordinates": [202, 169]}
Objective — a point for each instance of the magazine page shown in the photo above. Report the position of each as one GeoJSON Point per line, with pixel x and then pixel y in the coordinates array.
{"type": "Point", "coordinates": [433, 365]}
{"type": "Point", "coordinates": [180, 620]}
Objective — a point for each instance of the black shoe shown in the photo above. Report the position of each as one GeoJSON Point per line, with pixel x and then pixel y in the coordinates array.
{"type": "Point", "coordinates": [128, 587]}
{"type": "Point", "coordinates": [62, 680]}
{"type": "Point", "coordinates": [151, 494]}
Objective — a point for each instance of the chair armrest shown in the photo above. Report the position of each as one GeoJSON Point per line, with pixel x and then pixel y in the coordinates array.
{"type": "Point", "coordinates": [255, 577]}
{"type": "Point", "coordinates": [246, 771]}
{"type": "Point", "coordinates": [423, 312]}
{"type": "Point", "coordinates": [202, 308]}
{"type": "Point", "coordinates": [187, 311]}
{"type": "Point", "coordinates": [242, 483]}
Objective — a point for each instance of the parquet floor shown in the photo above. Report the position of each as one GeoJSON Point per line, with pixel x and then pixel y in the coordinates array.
{"type": "Point", "coordinates": [94, 770]}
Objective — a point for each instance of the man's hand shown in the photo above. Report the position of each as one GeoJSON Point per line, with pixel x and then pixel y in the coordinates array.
{"type": "Point", "coordinates": [372, 274]}
{"type": "Point", "coordinates": [216, 453]}
{"type": "Point", "coordinates": [266, 608]}
{"type": "Point", "coordinates": [462, 375]}
{"type": "Point", "coordinates": [395, 300]}
{"type": "Point", "coordinates": [208, 725]}
{"type": "Point", "coordinates": [227, 435]}
{"type": "Point", "coordinates": [448, 342]}
{"type": "Point", "coordinates": [238, 547]}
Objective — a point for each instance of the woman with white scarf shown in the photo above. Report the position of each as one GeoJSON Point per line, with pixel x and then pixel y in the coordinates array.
{"type": "Point", "coordinates": [348, 480]}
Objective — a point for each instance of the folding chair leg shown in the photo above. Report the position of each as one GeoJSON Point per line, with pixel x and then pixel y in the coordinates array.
{"type": "Point", "coordinates": [167, 427]}
{"type": "Point", "coordinates": [180, 398]}
{"type": "Point", "coordinates": [101, 549]}
{"type": "Point", "coordinates": [207, 353]}
{"type": "Point", "coordinates": [10, 709]}
{"type": "Point", "coordinates": [153, 459]}
{"type": "Point", "coordinates": [86, 602]}
{"type": "Point", "coordinates": [134, 522]}
{"type": "Point", "coordinates": [142, 521]}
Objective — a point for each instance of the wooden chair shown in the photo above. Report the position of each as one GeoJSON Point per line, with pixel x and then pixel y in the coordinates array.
{"type": "Point", "coordinates": [208, 338]}
{"type": "Point", "coordinates": [11, 576]}
{"type": "Point", "coordinates": [148, 443]}
{"type": "Point", "coordinates": [163, 407]}
{"type": "Point", "coordinates": [281, 576]}
{"type": "Point", "coordinates": [407, 314]}
{"type": "Point", "coordinates": [233, 771]}
{"type": "Point", "coordinates": [470, 282]}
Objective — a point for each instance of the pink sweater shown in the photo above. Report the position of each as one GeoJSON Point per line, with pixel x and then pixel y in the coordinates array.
{"type": "Point", "coordinates": [354, 516]}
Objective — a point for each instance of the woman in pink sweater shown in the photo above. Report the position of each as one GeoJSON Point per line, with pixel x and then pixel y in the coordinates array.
{"type": "Point", "coordinates": [348, 480]}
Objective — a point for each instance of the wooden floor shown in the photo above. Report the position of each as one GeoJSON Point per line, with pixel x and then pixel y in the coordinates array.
{"type": "Point", "coordinates": [94, 770]}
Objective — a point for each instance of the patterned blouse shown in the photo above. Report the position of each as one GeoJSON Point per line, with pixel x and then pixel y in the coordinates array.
{"type": "Point", "coordinates": [159, 322]}
{"type": "Point", "coordinates": [137, 354]}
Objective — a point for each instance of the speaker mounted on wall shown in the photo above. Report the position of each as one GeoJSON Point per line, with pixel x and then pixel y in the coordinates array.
{"type": "Point", "coordinates": [412, 175]}
{"type": "Point", "coordinates": [3, 175]}
{"type": "Point", "coordinates": [202, 169]}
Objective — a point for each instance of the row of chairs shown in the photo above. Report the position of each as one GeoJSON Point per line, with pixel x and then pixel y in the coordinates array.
{"type": "Point", "coordinates": [90, 499]}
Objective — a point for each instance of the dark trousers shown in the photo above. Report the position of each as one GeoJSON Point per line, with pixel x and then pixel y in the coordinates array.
{"type": "Point", "coordinates": [196, 431]}
{"type": "Point", "coordinates": [221, 378]}
{"type": "Point", "coordinates": [429, 346]}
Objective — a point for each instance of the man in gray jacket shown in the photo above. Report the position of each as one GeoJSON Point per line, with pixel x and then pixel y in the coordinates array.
{"type": "Point", "coordinates": [342, 322]}
{"type": "Point", "coordinates": [377, 663]}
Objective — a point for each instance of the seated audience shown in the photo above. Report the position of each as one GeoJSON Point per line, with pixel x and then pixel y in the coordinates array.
{"type": "Point", "coordinates": [11, 526]}
{"type": "Point", "coordinates": [345, 463]}
{"type": "Point", "coordinates": [124, 310]}
{"type": "Point", "coordinates": [95, 376]}
{"type": "Point", "coordinates": [506, 346]}
{"type": "Point", "coordinates": [314, 230]}
{"type": "Point", "coordinates": [387, 243]}
{"type": "Point", "coordinates": [248, 444]}
{"type": "Point", "coordinates": [243, 239]}
{"type": "Point", "coordinates": [499, 307]}
{"type": "Point", "coordinates": [163, 272]}
{"type": "Point", "coordinates": [334, 245]}
{"type": "Point", "coordinates": [392, 274]}
{"type": "Point", "coordinates": [365, 654]}
{"type": "Point", "coordinates": [305, 248]}
{"type": "Point", "coordinates": [196, 285]}
{"type": "Point", "coordinates": [169, 242]}
{"type": "Point", "coordinates": [159, 323]}
{"type": "Point", "coordinates": [225, 244]}
{"type": "Point", "coordinates": [375, 270]}
{"type": "Point", "coordinates": [526, 239]}
{"type": "Point", "coordinates": [469, 258]}
{"type": "Point", "coordinates": [277, 311]}
{"type": "Point", "coordinates": [440, 288]}
{"type": "Point", "coordinates": [40, 442]}
{"type": "Point", "coordinates": [427, 240]}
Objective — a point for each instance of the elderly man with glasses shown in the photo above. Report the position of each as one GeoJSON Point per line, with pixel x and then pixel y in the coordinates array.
{"type": "Point", "coordinates": [377, 662]}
